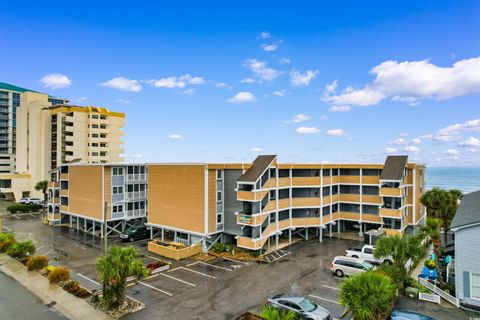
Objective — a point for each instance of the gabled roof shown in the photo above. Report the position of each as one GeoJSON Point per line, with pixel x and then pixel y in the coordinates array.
{"type": "Point", "coordinates": [468, 212]}
{"type": "Point", "coordinates": [259, 165]}
{"type": "Point", "coordinates": [394, 167]}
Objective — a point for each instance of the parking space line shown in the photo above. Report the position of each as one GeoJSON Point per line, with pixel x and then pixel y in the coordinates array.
{"type": "Point", "coordinates": [171, 270]}
{"type": "Point", "coordinates": [324, 299]}
{"type": "Point", "coordinates": [333, 288]}
{"type": "Point", "coordinates": [179, 280]}
{"type": "Point", "coordinates": [152, 276]}
{"type": "Point", "coordinates": [87, 278]}
{"type": "Point", "coordinates": [8, 229]}
{"type": "Point", "coordinates": [48, 252]}
{"type": "Point", "coordinates": [197, 272]}
{"type": "Point", "coordinates": [212, 265]}
{"type": "Point", "coordinates": [153, 258]}
{"type": "Point", "coordinates": [193, 263]}
{"type": "Point", "coordinates": [155, 288]}
{"type": "Point", "coordinates": [233, 260]}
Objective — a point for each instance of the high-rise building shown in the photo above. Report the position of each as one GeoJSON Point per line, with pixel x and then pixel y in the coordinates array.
{"type": "Point", "coordinates": [252, 205]}
{"type": "Point", "coordinates": [48, 133]}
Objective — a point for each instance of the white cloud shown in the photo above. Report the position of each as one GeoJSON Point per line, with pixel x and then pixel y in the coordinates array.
{"type": "Point", "coordinates": [412, 81]}
{"type": "Point", "coordinates": [126, 101]}
{"type": "Point", "coordinates": [340, 108]}
{"type": "Point", "coordinates": [336, 133]}
{"type": "Point", "coordinates": [280, 93]}
{"type": "Point", "coordinates": [416, 141]}
{"type": "Point", "coordinates": [470, 142]}
{"type": "Point", "coordinates": [186, 91]}
{"type": "Point", "coordinates": [300, 118]}
{"type": "Point", "coordinates": [247, 80]}
{"type": "Point", "coordinates": [55, 81]}
{"type": "Point", "coordinates": [390, 150]}
{"type": "Point", "coordinates": [175, 136]}
{"type": "Point", "coordinates": [324, 117]}
{"type": "Point", "coordinates": [398, 141]}
{"type": "Point", "coordinates": [270, 47]}
{"type": "Point", "coordinates": [264, 35]}
{"type": "Point", "coordinates": [472, 150]}
{"type": "Point", "coordinates": [298, 79]}
{"type": "Point", "coordinates": [307, 130]}
{"type": "Point", "coordinates": [257, 149]}
{"type": "Point", "coordinates": [177, 82]}
{"type": "Point", "coordinates": [451, 132]}
{"type": "Point", "coordinates": [403, 134]}
{"type": "Point", "coordinates": [242, 97]}
{"type": "Point", "coordinates": [361, 97]}
{"type": "Point", "coordinates": [452, 152]}
{"type": "Point", "coordinates": [220, 85]}
{"type": "Point", "coordinates": [284, 60]}
{"type": "Point", "coordinates": [261, 71]}
{"type": "Point", "coordinates": [412, 149]}
{"type": "Point", "coordinates": [331, 87]}
{"type": "Point", "coordinates": [81, 99]}
{"type": "Point", "coordinates": [124, 84]}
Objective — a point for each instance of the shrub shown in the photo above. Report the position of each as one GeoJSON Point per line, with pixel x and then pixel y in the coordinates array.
{"type": "Point", "coordinates": [219, 247]}
{"type": "Point", "coordinates": [155, 265]}
{"type": "Point", "coordinates": [25, 260]}
{"type": "Point", "coordinates": [74, 288]}
{"type": "Point", "coordinates": [271, 313]}
{"type": "Point", "coordinates": [37, 263]}
{"type": "Point", "coordinates": [22, 249]}
{"type": "Point", "coordinates": [57, 274]}
{"type": "Point", "coordinates": [6, 240]}
{"type": "Point", "coordinates": [23, 207]}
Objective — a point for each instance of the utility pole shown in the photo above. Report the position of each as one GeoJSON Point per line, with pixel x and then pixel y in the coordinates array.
{"type": "Point", "coordinates": [105, 245]}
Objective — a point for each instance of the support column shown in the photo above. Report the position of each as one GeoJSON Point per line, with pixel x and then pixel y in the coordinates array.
{"type": "Point", "coordinates": [78, 223]}
{"type": "Point", "coordinates": [85, 225]}
{"type": "Point", "coordinates": [101, 230]}
{"type": "Point", "coordinates": [151, 232]}
{"type": "Point", "coordinates": [70, 221]}
{"type": "Point", "coordinates": [338, 226]}
{"type": "Point", "coordinates": [320, 234]}
{"type": "Point", "coordinates": [330, 230]}
{"type": "Point", "coordinates": [163, 234]}
{"type": "Point", "coordinates": [276, 242]}
{"type": "Point", "coordinates": [306, 233]}
{"type": "Point", "coordinates": [289, 236]}
{"type": "Point", "coordinates": [123, 225]}
{"type": "Point", "coordinates": [268, 243]}
{"type": "Point", "coordinates": [93, 227]}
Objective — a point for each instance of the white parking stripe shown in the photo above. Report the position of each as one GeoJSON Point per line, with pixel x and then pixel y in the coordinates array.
{"type": "Point", "coordinates": [155, 288]}
{"type": "Point", "coordinates": [212, 265]}
{"type": "Point", "coordinates": [197, 272]}
{"type": "Point", "coordinates": [193, 263]}
{"type": "Point", "coordinates": [233, 260]}
{"type": "Point", "coordinates": [87, 278]}
{"type": "Point", "coordinates": [48, 252]}
{"type": "Point", "coordinates": [333, 288]}
{"type": "Point", "coordinates": [8, 229]}
{"type": "Point", "coordinates": [179, 280]}
{"type": "Point", "coordinates": [324, 299]}
{"type": "Point", "coordinates": [152, 276]}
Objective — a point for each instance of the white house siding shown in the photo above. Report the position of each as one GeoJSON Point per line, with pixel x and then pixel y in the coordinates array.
{"type": "Point", "coordinates": [467, 253]}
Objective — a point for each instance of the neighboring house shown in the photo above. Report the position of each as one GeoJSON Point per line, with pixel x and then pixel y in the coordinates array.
{"type": "Point", "coordinates": [466, 225]}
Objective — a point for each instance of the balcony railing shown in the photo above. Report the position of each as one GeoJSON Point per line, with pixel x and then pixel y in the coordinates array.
{"type": "Point", "coordinates": [136, 213]}
{"type": "Point", "coordinates": [390, 192]}
{"type": "Point", "coordinates": [136, 177]}
{"type": "Point", "coordinates": [136, 195]}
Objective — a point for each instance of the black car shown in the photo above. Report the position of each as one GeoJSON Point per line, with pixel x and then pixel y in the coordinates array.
{"type": "Point", "coordinates": [135, 233]}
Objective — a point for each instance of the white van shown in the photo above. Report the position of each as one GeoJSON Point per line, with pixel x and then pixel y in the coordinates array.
{"type": "Point", "coordinates": [349, 266]}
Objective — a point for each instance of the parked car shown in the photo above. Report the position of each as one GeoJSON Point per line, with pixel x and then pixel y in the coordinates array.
{"type": "Point", "coordinates": [32, 201]}
{"type": "Point", "coordinates": [349, 266]}
{"type": "Point", "coordinates": [303, 307]}
{"type": "Point", "coordinates": [367, 253]}
{"type": "Point", "coordinates": [134, 233]}
{"type": "Point", "coordinates": [401, 314]}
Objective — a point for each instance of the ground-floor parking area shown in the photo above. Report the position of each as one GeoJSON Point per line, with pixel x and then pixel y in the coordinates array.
{"type": "Point", "coordinates": [217, 288]}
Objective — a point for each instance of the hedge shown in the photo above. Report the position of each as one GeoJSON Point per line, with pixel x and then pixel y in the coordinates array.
{"type": "Point", "coordinates": [23, 207]}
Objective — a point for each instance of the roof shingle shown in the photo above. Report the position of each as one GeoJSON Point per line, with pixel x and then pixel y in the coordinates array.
{"type": "Point", "coordinates": [468, 212]}
{"type": "Point", "coordinates": [259, 165]}
{"type": "Point", "coordinates": [393, 168]}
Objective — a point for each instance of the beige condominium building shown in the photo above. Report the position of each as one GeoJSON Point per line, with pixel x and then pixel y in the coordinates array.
{"type": "Point", "coordinates": [49, 132]}
{"type": "Point", "coordinates": [252, 205]}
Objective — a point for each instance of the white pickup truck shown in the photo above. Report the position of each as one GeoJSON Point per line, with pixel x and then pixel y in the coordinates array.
{"type": "Point", "coordinates": [366, 253]}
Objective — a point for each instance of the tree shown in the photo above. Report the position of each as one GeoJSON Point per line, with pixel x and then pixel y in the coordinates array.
{"type": "Point", "coordinates": [42, 186]}
{"type": "Point", "coordinates": [442, 204]}
{"type": "Point", "coordinates": [114, 269]}
{"type": "Point", "coordinates": [271, 313]}
{"type": "Point", "coordinates": [368, 296]}
{"type": "Point", "coordinates": [431, 231]}
{"type": "Point", "coordinates": [401, 249]}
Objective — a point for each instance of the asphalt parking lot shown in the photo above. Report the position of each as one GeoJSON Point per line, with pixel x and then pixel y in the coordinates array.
{"type": "Point", "coordinates": [213, 289]}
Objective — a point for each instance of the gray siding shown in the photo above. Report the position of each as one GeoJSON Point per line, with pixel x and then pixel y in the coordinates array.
{"type": "Point", "coordinates": [467, 251]}
{"type": "Point", "coordinates": [231, 204]}
{"type": "Point", "coordinates": [118, 180]}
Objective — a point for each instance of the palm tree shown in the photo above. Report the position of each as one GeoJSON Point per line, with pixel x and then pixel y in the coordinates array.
{"type": "Point", "coordinates": [431, 231]}
{"type": "Point", "coordinates": [400, 249]}
{"type": "Point", "coordinates": [42, 186]}
{"type": "Point", "coordinates": [368, 296]}
{"type": "Point", "coordinates": [114, 269]}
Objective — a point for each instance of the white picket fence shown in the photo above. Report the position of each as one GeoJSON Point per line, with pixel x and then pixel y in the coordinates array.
{"type": "Point", "coordinates": [440, 292]}
{"type": "Point", "coordinates": [429, 297]}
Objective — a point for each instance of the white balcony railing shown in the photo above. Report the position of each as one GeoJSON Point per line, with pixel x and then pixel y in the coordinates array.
{"type": "Point", "coordinates": [136, 177]}
{"type": "Point", "coordinates": [135, 213]}
{"type": "Point", "coordinates": [136, 195]}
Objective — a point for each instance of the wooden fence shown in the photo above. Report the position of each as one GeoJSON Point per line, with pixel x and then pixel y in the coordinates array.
{"type": "Point", "coordinates": [172, 251]}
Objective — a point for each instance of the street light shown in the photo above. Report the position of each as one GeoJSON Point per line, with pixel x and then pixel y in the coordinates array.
{"type": "Point", "coordinates": [106, 206]}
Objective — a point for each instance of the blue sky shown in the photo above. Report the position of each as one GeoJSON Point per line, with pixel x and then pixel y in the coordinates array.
{"type": "Point", "coordinates": [345, 81]}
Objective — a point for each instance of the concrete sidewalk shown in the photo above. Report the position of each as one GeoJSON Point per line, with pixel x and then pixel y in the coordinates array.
{"type": "Point", "coordinates": [66, 303]}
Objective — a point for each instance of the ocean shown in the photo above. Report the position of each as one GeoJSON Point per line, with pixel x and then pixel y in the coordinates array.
{"type": "Point", "coordinates": [466, 179]}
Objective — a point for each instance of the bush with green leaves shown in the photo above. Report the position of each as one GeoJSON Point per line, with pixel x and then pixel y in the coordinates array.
{"type": "Point", "coordinates": [6, 240]}
{"type": "Point", "coordinates": [37, 263]}
{"type": "Point", "coordinates": [58, 274]}
{"type": "Point", "coordinates": [219, 247]}
{"type": "Point", "coordinates": [23, 207]}
{"type": "Point", "coordinates": [271, 313]}
{"type": "Point", "coordinates": [368, 296]}
{"type": "Point", "coordinates": [19, 250]}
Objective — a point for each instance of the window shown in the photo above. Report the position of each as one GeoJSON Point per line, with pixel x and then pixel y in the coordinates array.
{"type": "Point", "coordinates": [118, 190]}
{"type": "Point", "coordinates": [95, 126]}
{"type": "Point", "coordinates": [369, 250]}
{"type": "Point", "coordinates": [219, 218]}
{"type": "Point", "coordinates": [219, 196]}
{"type": "Point", "coordinates": [219, 174]}
{"type": "Point", "coordinates": [117, 171]}
{"type": "Point", "coordinates": [94, 116]}
{"type": "Point", "coordinates": [475, 286]}
{"type": "Point", "coordinates": [117, 208]}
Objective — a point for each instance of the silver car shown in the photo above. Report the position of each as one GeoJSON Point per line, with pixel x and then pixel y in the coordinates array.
{"type": "Point", "coordinates": [303, 307]}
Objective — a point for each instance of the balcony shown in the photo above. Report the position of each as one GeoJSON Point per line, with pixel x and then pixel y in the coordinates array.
{"type": "Point", "coordinates": [64, 208]}
{"type": "Point", "coordinates": [349, 215]}
{"type": "Point", "coordinates": [135, 213]}
{"type": "Point", "coordinates": [391, 213]}
{"type": "Point", "coordinates": [249, 243]}
{"type": "Point", "coordinates": [64, 192]}
{"type": "Point", "coordinates": [63, 176]}
{"type": "Point", "coordinates": [349, 179]}
{"type": "Point", "coordinates": [368, 217]}
{"type": "Point", "coordinates": [371, 180]}
{"type": "Point", "coordinates": [251, 195]}
{"type": "Point", "coordinates": [136, 177]}
{"type": "Point", "coordinates": [53, 184]}
{"type": "Point", "coordinates": [371, 199]}
{"type": "Point", "coordinates": [251, 220]}
{"type": "Point", "coordinates": [306, 222]}
{"type": "Point", "coordinates": [305, 202]}
{"type": "Point", "coordinates": [305, 181]}
{"type": "Point", "coordinates": [349, 197]}
{"type": "Point", "coordinates": [136, 195]}
{"type": "Point", "coordinates": [390, 192]}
